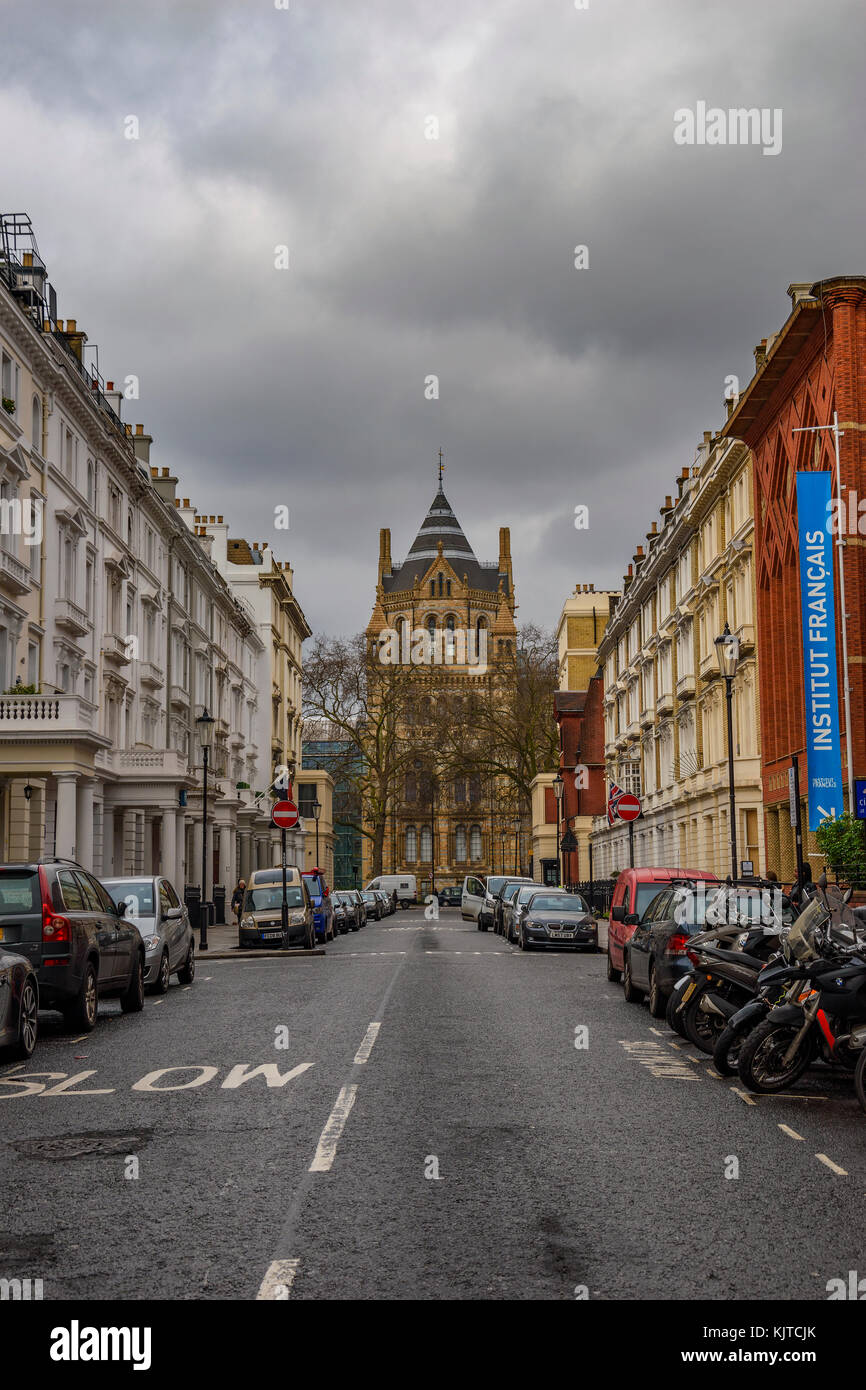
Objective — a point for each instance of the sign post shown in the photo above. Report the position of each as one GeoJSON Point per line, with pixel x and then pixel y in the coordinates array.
{"type": "Point", "coordinates": [284, 814]}
{"type": "Point", "coordinates": [627, 807]}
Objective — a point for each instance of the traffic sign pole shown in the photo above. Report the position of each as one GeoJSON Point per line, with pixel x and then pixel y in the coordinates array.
{"type": "Point", "coordinates": [285, 906]}
{"type": "Point", "coordinates": [631, 844]}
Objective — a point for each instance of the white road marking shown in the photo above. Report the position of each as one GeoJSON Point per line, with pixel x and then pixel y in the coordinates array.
{"type": "Point", "coordinates": [792, 1133]}
{"type": "Point", "coordinates": [77, 1040]}
{"type": "Point", "coordinates": [834, 1167]}
{"type": "Point", "coordinates": [277, 1283]}
{"type": "Point", "coordinates": [710, 1072]}
{"type": "Point", "coordinates": [367, 1045]}
{"type": "Point", "coordinates": [652, 1030]}
{"type": "Point", "coordinates": [748, 1099]}
{"type": "Point", "coordinates": [326, 1150]}
{"type": "Point", "coordinates": [156, 1003]}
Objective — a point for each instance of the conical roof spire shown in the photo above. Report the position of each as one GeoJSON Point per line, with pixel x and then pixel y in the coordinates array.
{"type": "Point", "coordinates": [441, 524]}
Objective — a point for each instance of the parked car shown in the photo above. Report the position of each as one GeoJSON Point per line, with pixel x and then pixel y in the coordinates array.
{"type": "Point", "coordinates": [262, 911]}
{"type": "Point", "coordinates": [389, 907]}
{"type": "Point", "coordinates": [406, 887]}
{"type": "Point", "coordinates": [556, 918]}
{"type": "Point", "coordinates": [476, 902]}
{"type": "Point", "coordinates": [506, 892]}
{"type": "Point", "coordinates": [341, 914]}
{"type": "Point", "coordinates": [656, 952]}
{"type": "Point", "coordinates": [350, 910]}
{"type": "Point", "coordinates": [323, 908]}
{"type": "Point", "coordinates": [19, 1006]}
{"type": "Point", "coordinates": [633, 891]}
{"type": "Point", "coordinates": [517, 900]}
{"type": "Point", "coordinates": [62, 920]}
{"type": "Point", "coordinates": [451, 896]}
{"type": "Point", "coordinates": [163, 920]}
{"type": "Point", "coordinates": [358, 898]}
{"type": "Point", "coordinates": [374, 905]}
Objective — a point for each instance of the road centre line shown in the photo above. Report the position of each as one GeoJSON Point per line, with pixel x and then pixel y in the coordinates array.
{"type": "Point", "coordinates": [326, 1149]}
{"type": "Point", "coordinates": [278, 1281]}
{"type": "Point", "coordinates": [363, 1053]}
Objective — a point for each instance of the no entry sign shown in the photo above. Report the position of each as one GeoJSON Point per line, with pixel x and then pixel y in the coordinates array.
{"type": "Point", "coordinates": [284, 814]}
{"type": "Point", "coordinates": [628, 807]}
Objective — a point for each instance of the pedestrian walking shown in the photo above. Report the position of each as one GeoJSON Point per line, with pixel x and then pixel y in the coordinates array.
{"type": "Point", "coordinates": [238, 898]}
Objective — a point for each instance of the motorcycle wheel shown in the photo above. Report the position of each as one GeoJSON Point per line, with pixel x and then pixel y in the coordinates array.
{"type": "Point", "coordinates": [761, 1055]}
{"type": "Point", "coordinates": [726, 1053]}
{"type": "Point", "coordinates": [701, 1028]}
{"type": "Point", "coordinates": [672, 1018]}
{"type": "Point", "coordinates": [860, 1080]}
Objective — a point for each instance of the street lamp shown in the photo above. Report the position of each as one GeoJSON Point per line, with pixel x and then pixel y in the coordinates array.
{"type": "Point", "coordinates": [558, 789]}
{"type": "Point", "coordinates": [204, 724]}
{"type": "Point", "coordinates": [728, 654]}
{"type": "Point", "coordinates": [516, 824]}
{"type": "Point", "coordinates": [316, 808]}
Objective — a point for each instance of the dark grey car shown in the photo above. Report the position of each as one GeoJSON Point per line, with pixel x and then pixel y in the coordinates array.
{"type": "Point", "coordinates": [62, 920]}
{"type": "Point", "coordinates": [19, 1006]}
{"type": "Point", "coordinates": [556, 919]}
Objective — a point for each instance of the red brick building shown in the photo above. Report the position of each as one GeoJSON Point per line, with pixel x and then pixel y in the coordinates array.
{"type": "Point", "coordinates": [579, 714]}
{"type": "Point", "coordinates": [814, 365]}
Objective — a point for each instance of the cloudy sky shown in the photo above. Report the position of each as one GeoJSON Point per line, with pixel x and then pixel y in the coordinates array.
{"type": "Point", "coordinates": [410, 256]}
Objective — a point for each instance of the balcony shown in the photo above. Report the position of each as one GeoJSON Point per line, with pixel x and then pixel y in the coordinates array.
{"type": "Point", "coordinates": [709, 667]}
{"type": "Point", "coordinates": [13, 575]}
{"type": "Point", "coordinates": [746, 634]}
{"type": "Point", "coordinates": [686, 687]}
{"type": "Point", "coordinates": [145, 764]}
{"type": "Point", "coordinates": [665, 702]}
{"type": "Point", "coordinates": [151, 675]}
{"type": "Point", "coordinates": [47, 715]}
{"type": "Point", "coordinates": [116, 649]}
{"type": "Point", "coordinates": [71, 618]}
{"type": "Point", "coordinates": [647, 717]}
{"type": "Point", "coordinates": [179, 697]}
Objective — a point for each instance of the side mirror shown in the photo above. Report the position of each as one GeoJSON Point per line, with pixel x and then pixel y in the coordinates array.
{"type": "Point", "coordinates": [172, 914]}
{"type": "Point", "coordinates": [631, 920]}
{"type": "Point", "coordinates": [121, 908]}
{"type": "Point", "coordinates": [617, 914]}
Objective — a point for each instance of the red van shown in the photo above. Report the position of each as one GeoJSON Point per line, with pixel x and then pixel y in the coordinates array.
{"type": "Point", "coordinates": [633, 892]}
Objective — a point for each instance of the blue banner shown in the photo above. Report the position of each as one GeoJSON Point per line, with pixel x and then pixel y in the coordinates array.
{"type": "Point", "coordinates": [823, 747]}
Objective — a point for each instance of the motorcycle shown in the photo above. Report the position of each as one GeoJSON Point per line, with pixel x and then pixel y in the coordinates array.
{"type": "Point", "coordinates": [823, 1013]}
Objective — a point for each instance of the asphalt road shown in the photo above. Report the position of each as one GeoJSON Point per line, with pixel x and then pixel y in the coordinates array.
{"type": "Point", "coordinates": [464, 1148]}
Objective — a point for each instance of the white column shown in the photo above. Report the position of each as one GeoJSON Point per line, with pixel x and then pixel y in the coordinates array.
{"type": "Point", "coordinates": [227, 835]}
{"type": "Point", "coordinates": [127, 866]}
{"type": "Point", "coordinates": [65, 813]}
{"type": "Point", "coordinates": [84, 824]}
{"type": "Point", "coordinates": [168, 846]}
{"type": "Point", "coordinates": [180, 865]}
{"type": "Point", "coordinates": [246, 856]}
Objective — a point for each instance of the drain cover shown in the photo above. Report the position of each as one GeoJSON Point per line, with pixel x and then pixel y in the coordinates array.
{"type": "Point", "coordinates": [92, 1143]}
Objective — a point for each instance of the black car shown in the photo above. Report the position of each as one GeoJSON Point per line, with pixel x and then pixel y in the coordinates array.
{"type": "Point", "coordinates": [341, 915]}
{"type": "Point", "coordinates": [373, 904]}
{"type": "Point", "coordinates": [78, 941]}
{"type": "Point", "coordinates": [19, 1005]}
{"type": "Point", "coordinates": [655, 956]}
{"type": "Point", "coordinates": [451, 896]}
{"type": "Point", "coordinates": [352, 909]}
{"type": "Point", "coordinates": [556, 919]}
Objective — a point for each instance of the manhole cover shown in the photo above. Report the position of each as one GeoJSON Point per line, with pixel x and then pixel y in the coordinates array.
{"type": "Point", "coordinates": [92, 1143]}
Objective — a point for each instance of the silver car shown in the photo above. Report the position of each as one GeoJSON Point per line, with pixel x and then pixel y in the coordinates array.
{"type": "Point", "coordinates": [155, 908]}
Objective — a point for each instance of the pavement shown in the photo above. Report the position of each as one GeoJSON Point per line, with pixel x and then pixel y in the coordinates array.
{"type": "Point", "coordinates": [421, 1111]}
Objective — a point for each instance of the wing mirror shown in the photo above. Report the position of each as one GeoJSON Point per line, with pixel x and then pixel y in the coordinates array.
{"type": "Point", "coordinates": [631, 920]}
{"type": "Point", "coordinates": [617, 914]}
{"type": "Point", "coordinates": [121, 908]}
{"type": "Point", "coordinates": [172, 914]}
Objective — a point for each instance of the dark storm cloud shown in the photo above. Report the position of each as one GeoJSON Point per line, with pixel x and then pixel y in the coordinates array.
{"type": "Point", "coordinates": [411, 256]}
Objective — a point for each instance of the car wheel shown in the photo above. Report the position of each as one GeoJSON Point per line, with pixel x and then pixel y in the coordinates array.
{"type": "Point", "coordinates": [632, 994]}
{"type": "Point", "coordinates": [81, 1013]}
{"type": "Point", "coordinates": [132, 999]}
{"type": "Point", "coordinates": [612, 973]}
{"type": "Point", "coordinates": [186, 974]}
{"type": "Point", "coordinates": [28, 1022]}
{"type": "Point", "coordinates": [160, 984]}
{"type": "Point", "coordinates": [656, 1000]}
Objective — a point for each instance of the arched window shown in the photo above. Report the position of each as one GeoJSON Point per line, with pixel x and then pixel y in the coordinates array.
{"type": "Point", "coordinates": [449, 637]}
{"type": "Point", "coordinates": [448, 587]}
{"type": "Point", "coordinates": [411, 844]}
{"type": "Point", "coordinates": [36, 425]}
{"type": "Point", "coordinates": [475, 843]}
{"type": "Point", "coordinates": [431, 625]}
{"type": "Point", "coordinates": [91, 482]}
{"type": "Point", "coordinates": [440, 586]}
{"type": "Point", "coordinates": [432, 588]}
{"type": "Point", "coordinates": [460, 844]}
{"type": "Point", "coordinates": [459, 789]}
{"type": "Point", "coordinates": [426, 844]}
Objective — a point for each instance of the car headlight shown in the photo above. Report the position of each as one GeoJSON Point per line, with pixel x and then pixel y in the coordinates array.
{"type": "Point", "coordinates": [296, 917]}
{"type": "Point", "coordinates": [248, 922]}
{"type": "Point", "coordinates": [531, 923]}
{"type": "Point", "coordinates": [151, 943]}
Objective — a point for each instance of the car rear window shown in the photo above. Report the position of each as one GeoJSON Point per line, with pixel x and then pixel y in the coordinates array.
{"type": "Point", "coordinates": [19, 892]}
{"type": "Point", "coordinates": [494, 885]}
{"type": "Point", "coordinates": [138, 896]}
{"type": "Point", "coordinates": [644, 895]}
{"type": "Point", "coordinates": [315, 885]}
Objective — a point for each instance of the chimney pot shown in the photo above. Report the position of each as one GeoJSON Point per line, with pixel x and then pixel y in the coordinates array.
{"type": "Point", "coordinates": [109, 386]}
{"type": "Point", "coordinates": [186, 501]}
{"type": "Point", "coordinates": [139, 429]}
{"type": "Point", "coordinates": [219, 521]}
{"type": "Point", "coordinates": [71, 326]}
{"type": "Point", "coordinates": [177, 501]}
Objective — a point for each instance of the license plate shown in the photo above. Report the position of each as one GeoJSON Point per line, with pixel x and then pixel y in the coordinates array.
{"type": "Point", "coordinates": [270, 935]}
{"type": "Point", "coordinates": [559, 933]}
{"type": "Point", "coordinates": [689, 990]}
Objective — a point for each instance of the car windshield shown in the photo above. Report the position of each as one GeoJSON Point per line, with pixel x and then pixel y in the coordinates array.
{"type": "Point", "coordinates": [136, 893]}
{"type": "Point", "coordinates": [509, 891]}
{"type": "Point", "coordinates": [524, 894]}
{"type": "Point", "coordinates": [19, 892]}
{"type": "Point", "coordinates": [494, 885]}
{"type": "Point", "coordinates": [271, 899]}
{"type": "Point", "coordinates": [558, 902]}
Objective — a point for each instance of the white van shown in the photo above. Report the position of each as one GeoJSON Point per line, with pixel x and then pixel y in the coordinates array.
{"type": "Point", "coordinates": [404, 885]}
